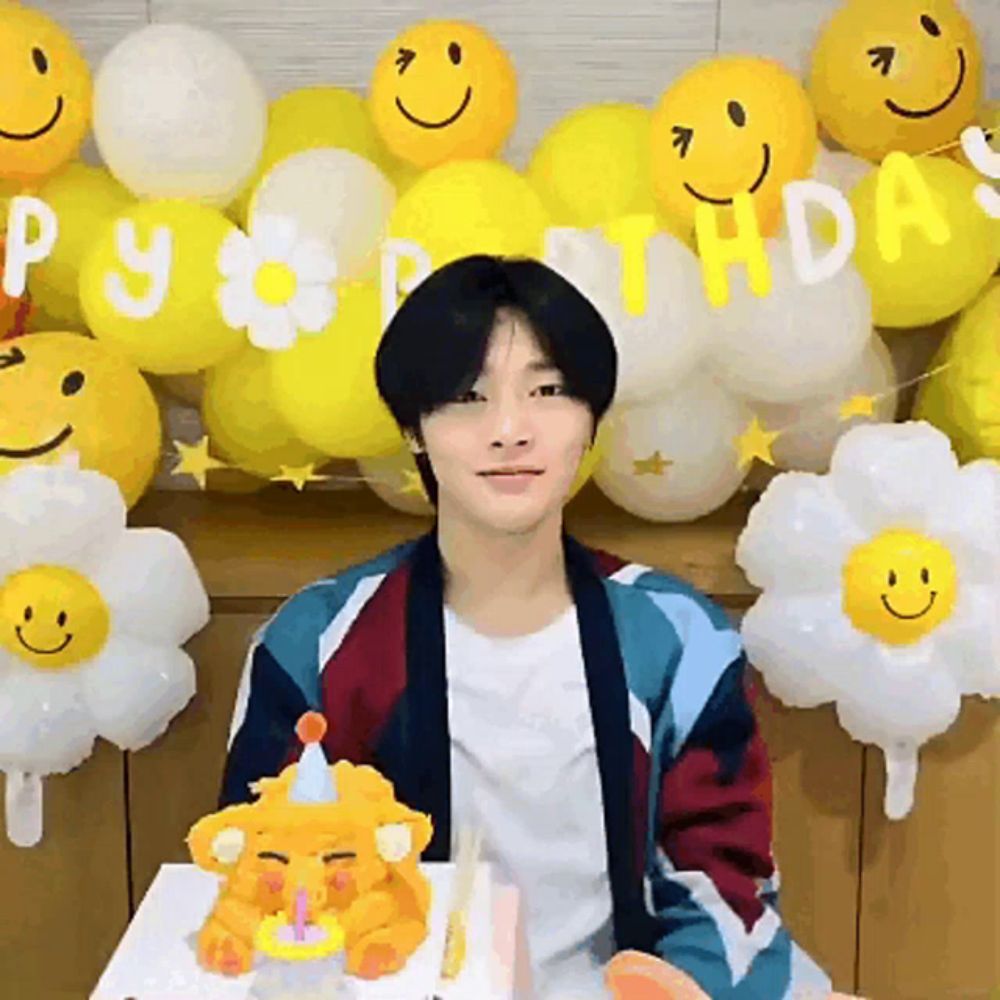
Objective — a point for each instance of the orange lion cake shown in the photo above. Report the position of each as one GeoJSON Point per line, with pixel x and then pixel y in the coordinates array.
{"type": "Point", "coordinates": [320, 875]}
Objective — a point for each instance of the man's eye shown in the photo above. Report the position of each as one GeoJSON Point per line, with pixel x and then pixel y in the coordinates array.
{"type": "Point", "coordinates": [552, 389]}
{"type": "Point", "coordinates": [468, 397]}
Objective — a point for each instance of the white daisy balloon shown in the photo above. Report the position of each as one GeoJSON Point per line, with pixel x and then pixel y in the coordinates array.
{"type": "Point", "coordinates": [277, 283]}
{"type": "Point", "coordinates": [881, 583]}
{"type": "Point", "coordinates": [92, 617]}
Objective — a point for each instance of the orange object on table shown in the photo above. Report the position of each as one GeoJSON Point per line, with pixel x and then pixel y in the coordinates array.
{"type": "Point", "coordinates": [13, 312]}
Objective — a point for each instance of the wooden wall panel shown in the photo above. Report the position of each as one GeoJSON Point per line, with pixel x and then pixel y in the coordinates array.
{"type": "Point", "coordinates": [930, 883]}
{"type": "Point", "coordinates": [65, 903]}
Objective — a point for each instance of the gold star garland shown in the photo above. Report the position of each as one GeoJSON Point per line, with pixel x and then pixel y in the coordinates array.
{"type": "Point", "coordinates": [195, 461]}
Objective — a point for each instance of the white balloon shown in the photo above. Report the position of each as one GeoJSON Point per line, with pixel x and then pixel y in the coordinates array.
{"type": "Point", "coordinates": [663, 345]}
{"type": "Point", "coordinates": [133, 690]}
{"type": "Point", "coordinates": [44, 726]}
{"type": "Point", "coordinates": [334, 195]}
{"type": "Point", "coordinates": [893, 689]}
{"type": "Point", "coordinates": [178, 113]}
{"type": "Point", "coordinates": [810, 430]}
{"type": "Point", "coordinates": [390, 475]}
{"type": "Point", "coordinates": [151, 586]}
{"type": "Point", "coordinates": [57, 513]}
{"type": "Point", "coordinates": [694, 428]}
{"type": "Point", "coordinates": [795, 342]}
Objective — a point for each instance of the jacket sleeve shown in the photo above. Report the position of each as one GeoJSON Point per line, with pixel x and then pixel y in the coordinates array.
{"type": "Point", "coordinates": [714, 885]}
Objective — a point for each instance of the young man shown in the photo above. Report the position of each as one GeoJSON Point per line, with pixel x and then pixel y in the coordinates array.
{"type": "Point", "coordinates": [589, 715]}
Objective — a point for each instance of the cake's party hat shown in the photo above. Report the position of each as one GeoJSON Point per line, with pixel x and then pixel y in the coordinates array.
{"type": "Point", "coordinates": [313, 778]}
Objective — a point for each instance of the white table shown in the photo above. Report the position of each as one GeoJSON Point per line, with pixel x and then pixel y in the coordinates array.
{"type": "Point", "coordinates": [156, 959]}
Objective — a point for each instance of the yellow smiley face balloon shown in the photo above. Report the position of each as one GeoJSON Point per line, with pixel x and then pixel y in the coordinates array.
{"type": "Point", "coordinates": [902, 75]}
{"type": "Point", "coordinates": [52, 617]}
{"type": "Point", "coordinates": [899, 586]}
{"type": "Point", "coordinates": [62, 393]}
{"type": "Point", "coordinates": [443, 90]}
{"type": "Point", "coordinates": [729, 125]}
{"type": "Point", "coordinates": [46, 87]}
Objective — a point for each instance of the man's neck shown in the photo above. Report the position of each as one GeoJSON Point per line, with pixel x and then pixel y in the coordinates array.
{"type": "Point", "coordinates": [504, 584]}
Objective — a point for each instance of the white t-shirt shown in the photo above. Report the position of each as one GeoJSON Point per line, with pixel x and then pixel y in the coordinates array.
{"type": "Point", "coordinates": [524, 770]}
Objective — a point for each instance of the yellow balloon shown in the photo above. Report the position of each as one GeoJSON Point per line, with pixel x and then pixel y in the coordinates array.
{"type": "Point", "coordinates": [963, 400]}
{"type": "Point", "coordinates": [242, 421]}
{"type": "Point", "coordinates": [83, 198]}
{"type": "Point", "coordinates": [324, 387]}
{"type": "Point", "coordinates": [928, 281]}
{"type": "Point", "coordinates": [187, 332]}
{"type": "Point", "coordinates": [63, 393]}
{"type": "Point", "coordinates": [594, 165]}
{"type": "Point", "coordinates": [471, 206]}
{"type": "Point", "coordinates": [310, 118]}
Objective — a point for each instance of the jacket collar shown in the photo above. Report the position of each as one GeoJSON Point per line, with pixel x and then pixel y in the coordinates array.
{"type": "Point", "coordinates": [426, 772]}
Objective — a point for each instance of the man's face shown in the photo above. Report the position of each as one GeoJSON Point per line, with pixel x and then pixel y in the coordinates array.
{"type": "Point", "coordinates": [516, 416]}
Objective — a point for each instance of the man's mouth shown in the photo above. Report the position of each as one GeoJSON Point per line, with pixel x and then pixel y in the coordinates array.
{"type": "Point", "coordinates": [38, 449]}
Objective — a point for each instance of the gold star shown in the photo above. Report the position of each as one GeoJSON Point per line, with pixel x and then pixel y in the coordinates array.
{"type": "Point", "coordinates": [299, 475]}
{"type": "Point", "coordinates": [412, 483]}
{"type": "Point", "coordinates": [857, 406]}
{"type": "Point", "coordinates": [755, 442]}
{"type": "Point", "coordinates": [655, 465]}
{"type": "Point", "coordinates": [195, 461]}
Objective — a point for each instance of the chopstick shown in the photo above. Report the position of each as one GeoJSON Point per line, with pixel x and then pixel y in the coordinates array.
{"type": "Point", "coordinates": [469, 848]}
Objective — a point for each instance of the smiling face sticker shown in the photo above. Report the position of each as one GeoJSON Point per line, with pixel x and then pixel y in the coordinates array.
{"type": "Point", "coordinates": [46, 87]}
{"type": "Point", "coordinates": [899, 586]}
{"type": "Point", "coordinates": [729, 125]}
{"type": "Point", "coordinates": [52, 617]}
{"type": "Point", "coordinates": [62, 393]}
{"type": "Point", "coordinates": [443, 90]}
{"type": "Point", "coordinates": [905, 76]}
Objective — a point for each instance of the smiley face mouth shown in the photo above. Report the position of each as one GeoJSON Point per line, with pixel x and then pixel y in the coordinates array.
{"type": "Point", "coordinates": [920, 614]}
{"type": "Point", "coordinates": [39, 449]}
{"type": "Point", "coordinates": [42, 652]}
{"type": "Point", "coordinates": [926, 113]}
{"type": "Point", "coordinates": [39, 132]}
{"type": "Point", "coordinates": [753, 187]}
{"type": "Point", "coordinates": [442, 124]}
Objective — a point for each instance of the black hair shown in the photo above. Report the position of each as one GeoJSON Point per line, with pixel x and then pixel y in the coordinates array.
{"type": "Point", "coordinates": [433, 349]}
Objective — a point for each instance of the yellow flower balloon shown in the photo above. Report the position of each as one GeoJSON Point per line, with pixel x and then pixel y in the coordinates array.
{"type": "Point", "coordinates": [324, 387]}
{"type": "Point", "coordinates": [83, 198]}
{"type": "Point", "coordinates": [186, 331]}
{"type": "Point", "coordinates": [241, 419]}
{"type": "Point", "coordinates": [471, 206]}
{"type": "Point", "coordinates": [593, 165]}
{"type": "Point", "coordinates": [929, 280]}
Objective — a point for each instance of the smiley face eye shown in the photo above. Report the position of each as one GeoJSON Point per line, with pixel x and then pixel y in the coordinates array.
{"type": "Point", "coordinates": [72, 383]}
{"type": "Point", "coordinates": [930, 25]}
{"type": "Point", "coordinates": [925, 575]}
{"type": "Point", "coordinates": [737, 113]}
{"type": "Point", "coordinates": [892, 578]}
{"type": "Point", "coordinates": [882, 57]}
{"type": "Point", "coordinates": [455, 53]}
{"type": "Point", "coordinates": [27, 614]}
{"type": "Point", "coordinates": [682, 138]}
{"type": "Point", "coordinates": [40, 60]}
{"type": "Point", "coordinates": [404, 58]}
{"type": "Point", "coordinates": [61, 620]}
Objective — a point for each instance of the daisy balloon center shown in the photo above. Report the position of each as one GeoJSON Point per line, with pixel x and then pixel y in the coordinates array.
{"type": "Point", "coordinates": [275, 283]}
{"type": "Point", "coordinates": [899, 586]}
{"type": "Point", "coordinates": [52, 617]}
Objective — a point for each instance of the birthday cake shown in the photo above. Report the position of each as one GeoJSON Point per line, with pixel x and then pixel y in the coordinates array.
{"type": "Point", "coordinates": [320, 878]}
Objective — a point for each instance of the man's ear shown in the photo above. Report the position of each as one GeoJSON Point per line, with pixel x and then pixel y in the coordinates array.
{"type": "Point", "coordinates": [413, 441]}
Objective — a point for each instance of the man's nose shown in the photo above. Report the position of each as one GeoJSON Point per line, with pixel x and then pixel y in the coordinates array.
{"type": "Point", "coordinates": [511, 427]}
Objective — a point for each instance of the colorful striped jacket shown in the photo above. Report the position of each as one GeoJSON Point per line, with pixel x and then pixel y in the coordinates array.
{"type": "Point", "coordinates": [684, 773]}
